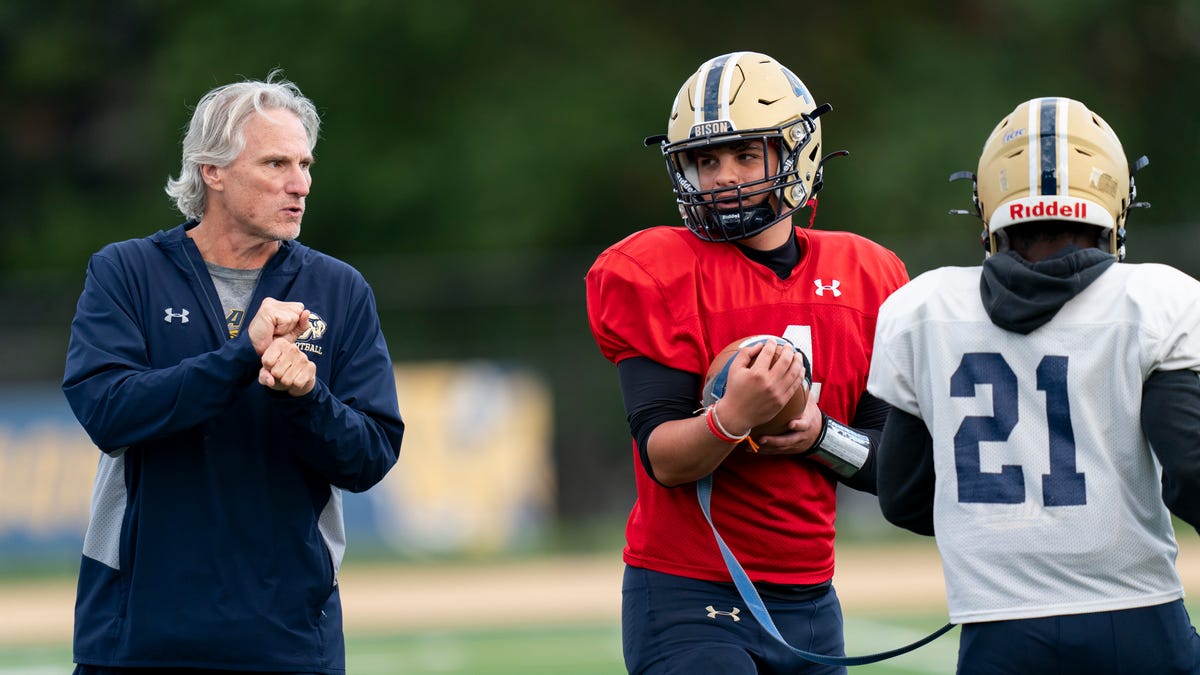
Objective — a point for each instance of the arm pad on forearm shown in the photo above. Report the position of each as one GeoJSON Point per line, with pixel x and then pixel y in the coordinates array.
{"type": "Point", "coordinates": [840, 448]}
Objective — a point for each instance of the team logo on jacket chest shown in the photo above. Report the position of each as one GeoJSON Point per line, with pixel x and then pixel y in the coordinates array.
{"type": "Point", "coordinates": [307, 340]}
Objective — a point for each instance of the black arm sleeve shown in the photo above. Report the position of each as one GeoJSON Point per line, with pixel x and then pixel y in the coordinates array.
{"type": "Point", "coordinates": [869, 418]}
{"type": "Point", "coordinates": [654, 394]}
{"type": "Point", "coordinates": [1171, 422]}
{"type": "Point", "coordinates": [905, 473]}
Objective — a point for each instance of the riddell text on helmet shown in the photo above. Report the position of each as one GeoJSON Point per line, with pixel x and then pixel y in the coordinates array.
{"type": "Point", "coordinates": [1047, 209]}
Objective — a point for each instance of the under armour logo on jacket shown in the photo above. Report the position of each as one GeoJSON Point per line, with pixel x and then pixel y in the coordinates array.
{"type": "Point", "coordinates": [832, 287]}
{"type": "Point", "coordinates": [171, 314]}
{"type": "Point", "coordinates": [712, 613]}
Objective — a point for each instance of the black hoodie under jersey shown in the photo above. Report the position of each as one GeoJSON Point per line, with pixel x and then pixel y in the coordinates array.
{"type": "Point", "coordinates": [1020, 296]}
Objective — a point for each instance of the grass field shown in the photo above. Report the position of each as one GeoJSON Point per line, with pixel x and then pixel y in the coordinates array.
{"type": "Point", "coordinates": [587, 649]}
{"type": "Point", "coordinates": [555, 615]}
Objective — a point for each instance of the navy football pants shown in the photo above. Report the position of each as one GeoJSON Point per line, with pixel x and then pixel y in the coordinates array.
{"type": "Point", "coordinates": [672, 624]}
{"type": "Point", "coordinates": [1158, 640]}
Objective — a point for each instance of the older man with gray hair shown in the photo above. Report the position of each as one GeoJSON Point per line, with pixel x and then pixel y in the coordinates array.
{"type": "Point", "coordinates": [236, 383]}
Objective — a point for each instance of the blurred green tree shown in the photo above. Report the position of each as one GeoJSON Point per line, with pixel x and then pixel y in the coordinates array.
{"type": "Point", "coordinates": [476, 157]}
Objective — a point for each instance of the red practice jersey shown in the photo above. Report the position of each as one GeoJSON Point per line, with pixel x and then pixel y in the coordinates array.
{"type": "Point", "coordinates": [667, 295]}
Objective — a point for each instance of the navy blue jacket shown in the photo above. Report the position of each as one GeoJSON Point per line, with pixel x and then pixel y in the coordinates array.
{"type": "Point", "coordinates": [216, 528]}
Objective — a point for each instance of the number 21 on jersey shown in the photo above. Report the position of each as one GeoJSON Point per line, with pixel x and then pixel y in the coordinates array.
{"type": "Point", "coordinates": [1063, 486]}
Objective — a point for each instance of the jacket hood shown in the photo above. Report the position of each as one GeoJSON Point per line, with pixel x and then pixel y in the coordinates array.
{"type": "Point", "coordinates": [1021, 296]}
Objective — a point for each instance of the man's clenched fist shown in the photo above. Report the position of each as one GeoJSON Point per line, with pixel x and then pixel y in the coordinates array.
{"type": "Point", "coordinates": [276, 319]}
{"type": "Point", "coordinates": [286, 368]}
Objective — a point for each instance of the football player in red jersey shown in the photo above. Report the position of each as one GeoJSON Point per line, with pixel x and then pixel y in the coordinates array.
{"type": "Point", "coordinates": [743, 150]}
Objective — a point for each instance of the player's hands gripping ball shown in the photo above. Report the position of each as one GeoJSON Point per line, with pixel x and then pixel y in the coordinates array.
{"type": "Point", "coordinates": [717, 381]}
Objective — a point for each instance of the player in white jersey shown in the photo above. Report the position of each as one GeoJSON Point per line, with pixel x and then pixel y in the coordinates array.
{"type": "Point", "coordinates": [1046, 414]}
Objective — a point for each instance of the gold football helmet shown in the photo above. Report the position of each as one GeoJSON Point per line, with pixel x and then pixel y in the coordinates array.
{"type": "Point", "coordinates": [738, 97]}
{"type": "Point", "coordinates": [1053, 159]}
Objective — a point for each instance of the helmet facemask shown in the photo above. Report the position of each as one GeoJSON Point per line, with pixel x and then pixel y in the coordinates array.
{"type": "Point", "coordinates": [734, 212]}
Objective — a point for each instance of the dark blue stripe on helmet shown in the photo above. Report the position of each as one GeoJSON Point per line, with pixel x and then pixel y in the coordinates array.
{"type": "Point", "coordinates": [712, 89]}
{"type": "Point", "coordinates": [1048, 136]}
{"type": "Point", "coordinates": [797, 86]}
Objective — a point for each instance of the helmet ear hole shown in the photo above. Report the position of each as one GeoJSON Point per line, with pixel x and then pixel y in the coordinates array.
{"type": "Point", "coordinates": [1000, 241]}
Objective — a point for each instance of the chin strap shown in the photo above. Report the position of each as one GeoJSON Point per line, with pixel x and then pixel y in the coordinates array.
{"type": "Point", "coordinates": [812, 218]}
{"type": "Point", "coordinates": [740, 224]}
{"type": "Point", "coordinates": [759, 610]}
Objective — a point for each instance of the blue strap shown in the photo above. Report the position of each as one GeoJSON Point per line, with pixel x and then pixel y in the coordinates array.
{"type": "Point", "coordinates": [754, 602]}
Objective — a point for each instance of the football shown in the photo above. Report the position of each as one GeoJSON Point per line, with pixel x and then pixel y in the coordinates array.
{"type": "Point", "coordinates": [718, 374]}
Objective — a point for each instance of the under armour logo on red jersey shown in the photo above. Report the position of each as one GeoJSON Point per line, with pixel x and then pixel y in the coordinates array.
{"type": "Point", "coordinates": [713, 613]}
{"type": "Point", "coordinates": [831, 287]}
{"type": "Point", "coordinates": [171, 314]}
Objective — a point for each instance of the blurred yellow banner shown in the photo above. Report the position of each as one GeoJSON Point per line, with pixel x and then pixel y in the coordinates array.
{"type": "Point", "coordinates": [474, 477]}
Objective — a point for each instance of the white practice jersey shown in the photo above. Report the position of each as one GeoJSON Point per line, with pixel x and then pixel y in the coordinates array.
{"type": "Point", "coordinates": [1048, 499]}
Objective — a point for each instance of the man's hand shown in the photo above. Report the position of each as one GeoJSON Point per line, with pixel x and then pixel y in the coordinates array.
{"type": "Point", "coordinates": [276, 319]}
{"type": "Point", "coordinates": [286, 368]}
{"type": "Point", "coordinates": [762, 379]}
{"type": "Point", "coordinates": [802, 433]}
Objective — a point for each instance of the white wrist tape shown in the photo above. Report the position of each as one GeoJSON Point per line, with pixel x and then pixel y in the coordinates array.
{"type": "Point", "coordinates": [840, 448]}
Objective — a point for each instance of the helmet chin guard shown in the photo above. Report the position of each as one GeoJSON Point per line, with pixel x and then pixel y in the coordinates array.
{"type": "Point", "coordinates": [735, 224]}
